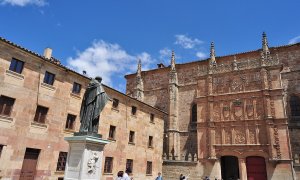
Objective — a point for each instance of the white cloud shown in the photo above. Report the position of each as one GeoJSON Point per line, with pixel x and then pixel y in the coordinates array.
{"type": "Point", "coordinates": [201, 55]}
{"type": "Point", "coordinates": [107, 60]}
{"type": "Point", "coordinates": [294, 40]}
{"type": "Point", "coordinates": [23, 3]}
{"type": "Point", "coordinates": [186, 42]}
{"type": "Point", "coordinates": [165, 53]}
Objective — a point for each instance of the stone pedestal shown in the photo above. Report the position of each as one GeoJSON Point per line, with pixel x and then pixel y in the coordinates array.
{"type": "Point", "coordinates": [84, 158]}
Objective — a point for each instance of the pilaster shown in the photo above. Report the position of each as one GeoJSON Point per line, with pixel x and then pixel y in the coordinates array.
{"type": "Point", "coordinates": [174, 137]}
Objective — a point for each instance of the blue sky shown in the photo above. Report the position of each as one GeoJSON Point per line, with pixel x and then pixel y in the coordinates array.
{"type": "Point", "coordinates": [107, 37]}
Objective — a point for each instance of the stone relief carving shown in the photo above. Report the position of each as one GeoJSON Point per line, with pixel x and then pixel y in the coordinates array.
{"type": "Point", "coordinates": [249, 108]}
{"type": "Point", "coordinates": [276, 143]}
{"type": "Point", "coordinates": [252, 133]}
{"type": "Point", "coordinates": [216, 112]}
{"type": "Point", "coordinates": [92, 162]}
{"type": "Point", "coordinates": [235, 65]}
{"type": "Point", "coordinates": [201, 70]}
{"type": "Point", "coordinates": [226, 110]}
{"type": "Point", "coordinates": [240, 136]}
{"type": "Point", "coordinates": [242, 108]}
{"type": "Point", "coordinates": [218, 137]}
{"type": "Point", "coordinates": [237, 106]}
{"type": "Point", "coordinates": [227, 136]}
{"type": "Point", "coordinates": [259, 109]}
{"type": "Point", "coordinates": [237, 83]}
{"type": "Point", "coordinates": [272, 107]}
{"type": "Point", "coordinates": [262, 135]}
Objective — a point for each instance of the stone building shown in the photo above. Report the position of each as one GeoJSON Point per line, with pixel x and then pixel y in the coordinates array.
{"type": "Point", "coordinates": [39, 105]}
{"type": "Point", "coordinates": [234, 116]}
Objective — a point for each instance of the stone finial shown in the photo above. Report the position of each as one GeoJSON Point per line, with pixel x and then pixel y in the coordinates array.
{"type": "Point", "coordinates": [139, 89]}
{"type": "Point", "coordinates": [190, 157]}
{"type": "Point", "coordinates": [212, 53]}
{"type": "Point", "coordinates": [235, 68]}
{"type": "Point", "coordinates": [212, 60]}
{"type": "Point", "coordinates": [183, 157]}
{"type": "Point", "coordinates": [173, 61]}
{"type": "Point", "coordinates": [139, 68]}
{"type": "Point", "coordinates": [265, 53]}
{"type": "Point", "coordinates": [265, 46]}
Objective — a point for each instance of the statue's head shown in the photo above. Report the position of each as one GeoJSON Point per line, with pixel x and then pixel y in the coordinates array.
{"type": "Point", "coordinates": [98, 78]}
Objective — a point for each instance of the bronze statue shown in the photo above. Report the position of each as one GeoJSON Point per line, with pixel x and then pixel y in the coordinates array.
{"type": "Point", "coordinates": [93, 102]}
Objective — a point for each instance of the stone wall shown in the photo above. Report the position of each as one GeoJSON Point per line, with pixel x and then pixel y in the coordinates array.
{"type": "Point", "coordinates": [19, 131]}
{"type": "Point", "coordinates": [260, 90]}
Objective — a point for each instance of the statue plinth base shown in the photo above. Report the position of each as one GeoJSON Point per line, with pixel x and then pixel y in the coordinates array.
{"type": "Point", "coordinates": [84, 158]}
{"type": "Point", "coordinates": [88, 134]}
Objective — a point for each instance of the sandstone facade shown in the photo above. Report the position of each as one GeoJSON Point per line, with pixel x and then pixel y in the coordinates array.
{"type": "Point", "coordinates": [228, 111]}
{"type": "Point", "coordinates": [19, 131]}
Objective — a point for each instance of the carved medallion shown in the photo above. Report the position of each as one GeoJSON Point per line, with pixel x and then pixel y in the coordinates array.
{"type": "Point", "coordinates": [238, 108]}
{"type": "Point", "coordinates": [240, 137]}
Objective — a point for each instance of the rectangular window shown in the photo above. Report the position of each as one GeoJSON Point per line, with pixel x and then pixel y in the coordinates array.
{"type": "Point", "coordinates": [70, 121]}
{"type": "Point", "coordinates": [16, 66]}
{"type": "Point", "coordinates": [40, 114]}
{"type": "Point", "coordinates": [133, 110]}
{"type": "Point", "coordinates": [112, 132]}
{"type": "Point", "coordinates": [108, 165]}
{"type": "Point", "coordinates": [61, 162]}
{"type": "Point", "coordinates": [6, 105]}
{"type": "Point", "coordinates": [115, 103]}
{"type": "Point", "coordinates": [149, 167]}
{"type": "Point", "coordinates": [49, 78]}
{"type": "Point", "coordinates": [131, 137]}
{"type": "Point", "coordinates": [1, 148]}
{"type": "Point", "coordinates": [151, 117]}
{"type": "Point", "coordinates": [150, 141]}
{"type": "Point", "coordinates": [76, 88]}
{"type": "Point", "coordinates": [129, 165]}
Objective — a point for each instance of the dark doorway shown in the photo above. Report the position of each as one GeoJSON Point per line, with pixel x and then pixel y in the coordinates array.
{"type": "Point", "coordinates": [230, 168]}
{"type": "Point", "coordinates": [29, 164]}
{"type": "Point", "coordinates": [256, 168]}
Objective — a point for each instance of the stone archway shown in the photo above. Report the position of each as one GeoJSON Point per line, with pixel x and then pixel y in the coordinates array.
{"type": "Point", "coordinates": [230, 168]}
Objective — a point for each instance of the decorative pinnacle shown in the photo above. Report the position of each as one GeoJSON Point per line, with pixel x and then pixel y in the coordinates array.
{"type": "Point", "coordinates": [139, 69]}
{"type": "Point", "coordinates": [265, 46]}
{"type": "Point", "coordinates": [212, 53]}
{"type": "Point", "coordinates": [173, 61]}
{"type": "Point", "coordinates": [235, 67]}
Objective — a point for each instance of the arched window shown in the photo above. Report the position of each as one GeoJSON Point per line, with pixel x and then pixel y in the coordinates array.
{"type": "Point", "coordinates": [194, 113]}
{"type": "Point", "coordinates": [295, 105]}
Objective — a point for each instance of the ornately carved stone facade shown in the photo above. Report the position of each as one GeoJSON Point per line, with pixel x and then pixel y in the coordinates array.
{"type": "Point", "coordinates": [229, 116]}
{"type": "Point", "coordinates": [32, 144]}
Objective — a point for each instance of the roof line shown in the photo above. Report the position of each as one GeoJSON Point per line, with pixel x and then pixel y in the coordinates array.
{"type": "Point", "coordinates": [228, 55]}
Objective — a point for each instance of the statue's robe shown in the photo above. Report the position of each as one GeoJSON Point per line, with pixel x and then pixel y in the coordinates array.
{"type": "Point", "coordinates": [93, 102]}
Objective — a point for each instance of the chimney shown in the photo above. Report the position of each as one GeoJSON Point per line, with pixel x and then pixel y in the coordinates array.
{"type": "Point", "coordinates": [48, 53]}
{"type": "Point", "coordinates": [160, 65]}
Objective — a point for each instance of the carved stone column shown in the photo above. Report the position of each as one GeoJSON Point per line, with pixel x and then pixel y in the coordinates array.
{"type": "Point", "coordinates": [266, 94]}
{"type": "Point", "coordinates": [212, 153]}
{"type": "Point", "coordinates": [270, 132]}
{"type": "Point", "coordinates": [243, 168]}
